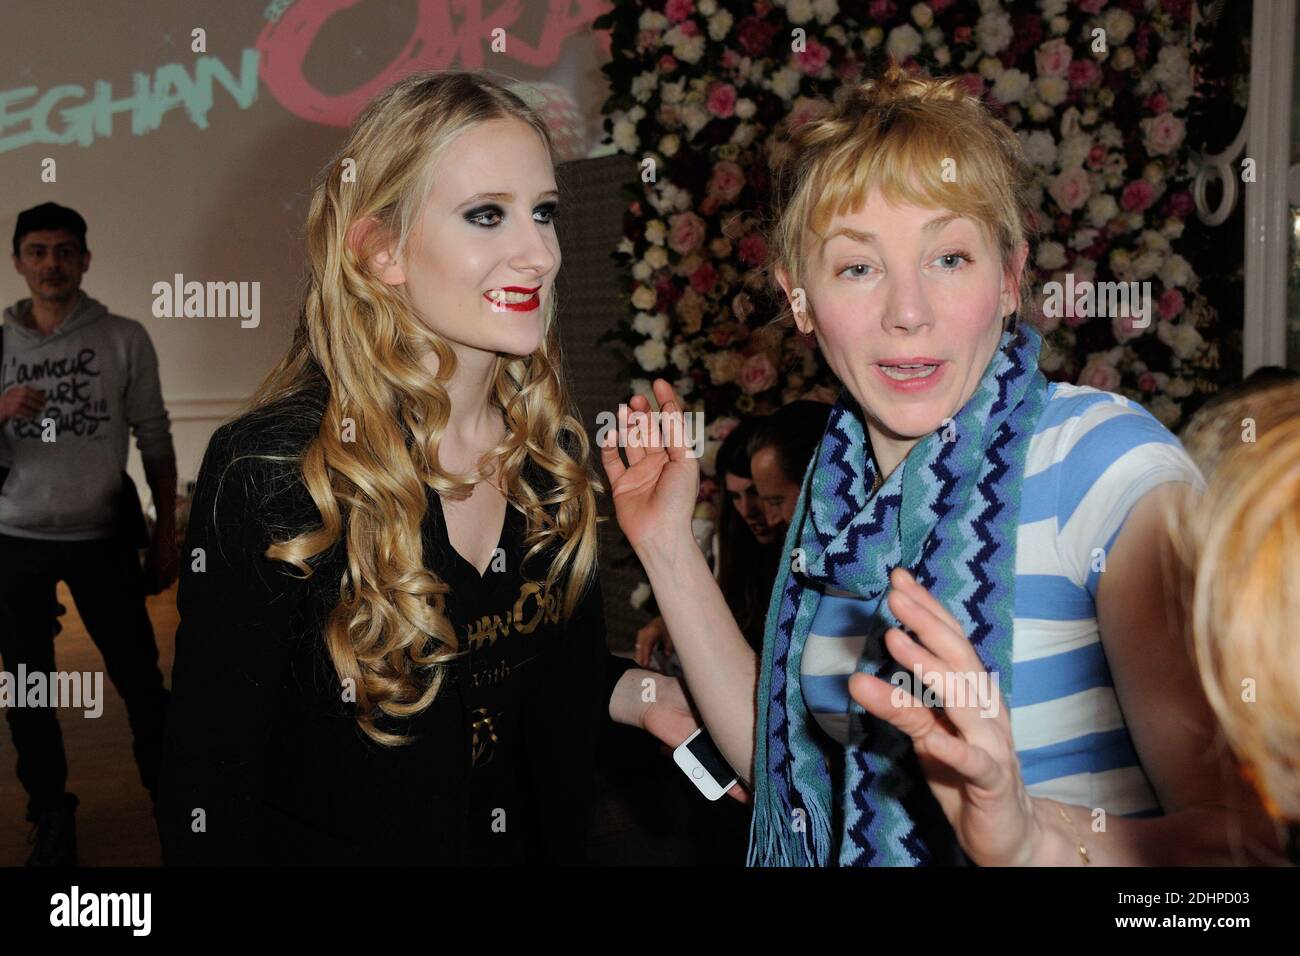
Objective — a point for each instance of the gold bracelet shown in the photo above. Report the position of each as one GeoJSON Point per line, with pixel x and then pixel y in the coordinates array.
{"type": "Point", "coordinates": [1083, 851]}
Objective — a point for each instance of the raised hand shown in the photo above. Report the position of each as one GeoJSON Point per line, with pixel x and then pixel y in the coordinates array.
{"type": "Point", "coordinates": [654, 493]}
{"type": "Point", "coordinates": [966, 751]}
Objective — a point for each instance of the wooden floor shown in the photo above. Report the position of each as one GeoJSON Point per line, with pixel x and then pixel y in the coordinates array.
{"type": "Point", "coordinates": [646, 811]}
{"type": "Point", "coordinates": [114, 823]}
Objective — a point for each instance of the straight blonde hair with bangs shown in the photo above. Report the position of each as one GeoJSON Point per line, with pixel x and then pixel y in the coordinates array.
{"type": "Point", "coordinates": [921, 141]}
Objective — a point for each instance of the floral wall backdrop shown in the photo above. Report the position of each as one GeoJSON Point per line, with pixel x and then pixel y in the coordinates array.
{"type": "Point", "coordinates": [707, 91]}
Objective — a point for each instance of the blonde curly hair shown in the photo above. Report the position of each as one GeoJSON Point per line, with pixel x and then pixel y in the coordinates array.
{"type": "Point", "coordinates": [389, 635]}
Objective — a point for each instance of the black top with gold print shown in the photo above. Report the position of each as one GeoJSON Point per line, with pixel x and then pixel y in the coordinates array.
{"type": "Point", "coordinates": [503, 620]}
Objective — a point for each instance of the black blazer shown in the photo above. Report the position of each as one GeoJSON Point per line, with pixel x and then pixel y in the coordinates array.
{"type": "Point", "coordinates": [258, 737]}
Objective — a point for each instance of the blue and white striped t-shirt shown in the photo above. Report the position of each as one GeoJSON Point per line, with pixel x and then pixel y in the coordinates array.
{"type": "Point", "coordinates": [1092, 457]}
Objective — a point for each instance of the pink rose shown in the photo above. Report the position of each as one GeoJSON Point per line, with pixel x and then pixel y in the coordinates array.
{"type": "Point", "coordinates": [1091, 6]}
{"type": "Point", "coordinates": [727, 181]}
{"type": "Point", "coordinates": [1137, 196]}
{"type": "Point", "coordinates": [1123, 328]}
{"type": "Point", "coordinates": [755, 35]}
{"type": "Point", "coordinates": [1071, 189]}
{"type": "Point", "coordinates": [1053, 58]}
{"type": "Point", "coordinates": [678, 10]}
{"type": "Point", "coordinates": [704, 278]}
{"type": "Point", "coordinates": [667, 63]}
{"type": "Point", "coordinates": [1084, 73]}
{"type": "Point", "coordinates": [689, 28]}
{"type": "Point", "coordinates": [753, 250]}
{"type": "Point", "coordinates": [1147, 382]}
{"type": "Point", "coordinates": [1163, 133]}
{"type": "Point", "coordinates": [805, 110]}
{"type": "Point", "coordinates": [1181, 205]}
{"type": "Point", "coordinates": [1099, 375]}
{"type": "Point", "coordinates": [1096, 154]}
{"type": "Point", "coordinates": [757, 374]}
{"type": "Point", "coordinates": [938, 6]}
{"type": "Point", "coordinates": [685, 232]}
{"type": "Point", "coordinates": [973, 83]}
{"type": "Point", "coordinates": [814, 58]}
{"type": "Point", "coordinates": [1170, 304]}
{"type": "Point", "coordinates": [722, 99]}
{"type": "Point", "coordinates": [708, 488]}
{"type": "Point", "coordinates": [1158, 103]}
{"type": "Point", "coordinates": [881, 9]}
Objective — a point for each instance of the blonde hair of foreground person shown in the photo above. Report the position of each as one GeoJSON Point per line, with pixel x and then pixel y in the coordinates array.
{"type": "Point", "coordinates": [389, 626]}
{"type": "Point", "coordinates": [1240, 544]}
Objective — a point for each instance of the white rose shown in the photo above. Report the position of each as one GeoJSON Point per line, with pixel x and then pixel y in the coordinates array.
{"type": "Point", "coordinates": [1073, 150]}
{"type": "Point", "coordinates": [1181, 337]}
{"type": "Point", "coordinates": [1146, 264]}
{"type": "Point", "coordinates": [1040, 112]}
{"type": "Point", "coordinates": [1101, 210]}
{"type": "Point", "coordinates": [672, 93]}
{"type": "Point", "coordinates": [993, 32]}
{"type": "Point", "coordinates": [656, 232]}
{"type": "Point", "coordinates": [720, 24]}
{"type": "Point", "coordinates": [745, 108]}
{"type": "Point", "coordinates": [1051, 255]}
{"type": "Point", "coordinates": [625, 138]}
{"type": "Point", "coordinates": [655, 326]}
{"type": "Point", "coordinates": [1083, 238]}
{"type": "Point", "coordinates": [651, 355]}
{"type": "Point", "coordinates": [640, 594]}
{"type": "Point", "coordinates": [656, 257]}
{"type": "Point", "coordinates": [825, 10]}
{"type": "Point", "coordinates": [1060, 25]}
{"type": "Point", "coordinates": [1176, 272]}
{"type": "Point", "coordinates": [707, 7]}
{"type": "Point", "coordinates": [1118, 25]}
{"type": "Point", "coordinates": [1053, 89]}
{"type": "Point", "coordinates": [1010, 86]}
{"type": "Point", "coordinates": [799, 11]}
{"type": "Point", "coordinates": [1176, 387]}
{"type": "Point", "coordinates": [684, 385]}
{"type": "Point", "coordinates": [680, 356]}
{"type": "Point", "coordinates": [642, 271]}
{"type": "Point", "coordinates": [1123, 59]}
{"type": "Point", "coordinates": [922, 16]}
{"type": "Point", "coordinates": [1040, 148]}
{"type": "Point", "coordinates": [785, 82]}
{"type": "Point", "coordinates": [643, 86]}
{"type": "Point", "coordinates": [903, 42]}
{"type": "Point", "coordinates": [653, 20]}
{"type": "Point", "coordinates": [1051, 8]}
{"type": "Point", "coordinates": [644, 297]}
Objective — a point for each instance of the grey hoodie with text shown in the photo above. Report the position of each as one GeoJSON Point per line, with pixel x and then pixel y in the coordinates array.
{"type": "Point", "coordinates": [99, 374]}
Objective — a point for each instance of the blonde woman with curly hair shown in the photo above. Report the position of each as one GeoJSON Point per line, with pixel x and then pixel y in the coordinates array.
{"type": "Point", "coordinates": [391, 644]}
{"type": "Point", "coordinates": [1240, 547]}
{"type": "Point", "coordinates": [970, 653]}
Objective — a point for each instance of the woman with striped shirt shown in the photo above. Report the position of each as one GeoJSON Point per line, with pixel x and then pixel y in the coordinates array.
{"type": "Point", "coordinates": [1012, 527]}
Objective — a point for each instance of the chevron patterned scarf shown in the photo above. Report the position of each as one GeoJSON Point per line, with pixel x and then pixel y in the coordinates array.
{"type": "Point", "coordinates": [949, 513]}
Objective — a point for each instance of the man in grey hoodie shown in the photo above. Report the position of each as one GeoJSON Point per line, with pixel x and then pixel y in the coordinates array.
{"type": "Point", "coordinates": [74, 381]}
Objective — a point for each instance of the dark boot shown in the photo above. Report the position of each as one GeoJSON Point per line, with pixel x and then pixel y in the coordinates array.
{"type": "Point", "coordinates": [55, 838]}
